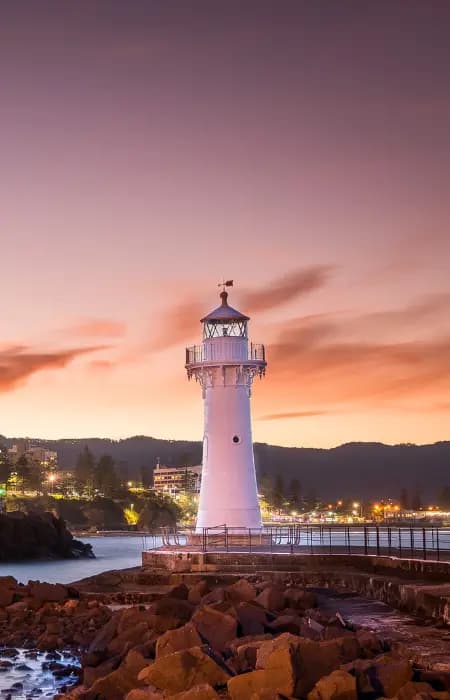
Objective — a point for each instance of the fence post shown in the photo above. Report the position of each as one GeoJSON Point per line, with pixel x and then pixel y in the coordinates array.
{"type": "Point", "coordinates": [389, 540]}
{"type": "Point", "coordinates": [365, 540]}
{"type": "Point", "coordinates": [411, 537]}
{"type": "Point", "coordinates": [437, 545]}
{"type": "Point", "coordinates": [400, 541]}
{"type": "Point", "coordinates": [329, 536]}
{"type": "Point", "coordinates": [250, 539]}
{"type": "Point", "coordinates": [378, 540]}
{"type": "Point", "coordinates": [424, 543]}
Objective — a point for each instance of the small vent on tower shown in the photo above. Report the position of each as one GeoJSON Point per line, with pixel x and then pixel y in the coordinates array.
{"type": "Point", "coordinates": [236, 439]}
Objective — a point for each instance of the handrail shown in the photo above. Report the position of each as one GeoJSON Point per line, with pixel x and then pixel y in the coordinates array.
{"type": "Point", "coordinates": [196, 354]}
{"type": "Point", "coordinates": [407, 542]}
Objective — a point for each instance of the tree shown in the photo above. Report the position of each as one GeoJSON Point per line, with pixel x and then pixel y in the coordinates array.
{"type": "Point", "coordinates": [106, 480]}
{"type": "Point", "coordinates": [84, 471]}
{"type": "Point", "coordinates": [278, 492]}
{"type": "Point", "coordinates": [295, 495]}
{"type": "Point", "coordinates": [416, 502]}
{"type": "Point", "coordinates": [265, 487]}
{"type": "Point", "coordinates": [404, 499]}
{"type": "Point", "coordinates": [444, 498]}
{"type": "Point", "coordinates": [5, 465]}
{"type": "Point", "coordinates": [23, 472]}
{"type": "Point", "coordinates": [146, 477]}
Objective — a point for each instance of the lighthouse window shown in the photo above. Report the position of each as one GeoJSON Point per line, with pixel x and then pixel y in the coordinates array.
{"type": "Point", "coordinates": [236, 439]}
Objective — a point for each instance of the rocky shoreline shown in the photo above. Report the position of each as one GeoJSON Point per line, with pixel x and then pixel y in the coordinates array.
{"type": "Point", "coordinates": [246, 640]}
{"type": "Point", "coordinates": [38, 536]}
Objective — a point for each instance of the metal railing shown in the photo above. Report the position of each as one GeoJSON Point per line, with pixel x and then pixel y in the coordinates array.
{"type": "Point", "coordinates": [198, 353]}
{"type": "Point", "coordinates": [409, 542]}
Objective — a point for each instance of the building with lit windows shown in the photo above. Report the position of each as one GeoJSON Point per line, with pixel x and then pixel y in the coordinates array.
{"type": "Point", "coordinates": [176, 480]}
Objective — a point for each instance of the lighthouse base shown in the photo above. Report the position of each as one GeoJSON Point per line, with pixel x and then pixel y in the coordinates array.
{"type": "Point", "coordinates": [236, 519]}
{"type": "Point", "coordinates": [229, 537]}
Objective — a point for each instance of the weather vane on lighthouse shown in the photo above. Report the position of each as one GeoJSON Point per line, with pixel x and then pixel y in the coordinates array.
{"type": "Point", "coordinates": [225, 364]}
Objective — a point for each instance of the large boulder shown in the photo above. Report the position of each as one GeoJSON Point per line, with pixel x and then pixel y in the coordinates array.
{"type": "Point", "coordinates": [114, 686]}
{"type": "Point", "coordinates": [178, 639]}
{"type": "Point", "coordinates": [252, 619]}
{"type": "Point", "coordinates": [173, 608]}
{"type": "Point", "coordinates": [308, 660]}
{"type": "Point", "coordinates": [271, 598]}
{"type": "Point", "coordinates": [338, 685]}
{"type": "Point", "coordinates": [216, 627]}
{"type": "Point", "coordinates": [383, 676]}
{"type": "Point", "coordinates": [48, 592]}
{"type": "Point", "coordinates": [183, 670]}
{"type": "Point", "coordinates": [241, 592]}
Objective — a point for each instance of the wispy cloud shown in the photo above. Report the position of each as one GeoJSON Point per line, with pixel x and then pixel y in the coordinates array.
{"type": "Point", "coordinates": [96, 328]}
{"type": "Point", "coordinates": [18, 364]}
{"type": "Point", "coordinates": [284, 289]}
{"type": "Point", "coordinates": [292, 414]}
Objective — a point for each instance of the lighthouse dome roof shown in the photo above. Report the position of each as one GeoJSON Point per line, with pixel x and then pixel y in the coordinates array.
{"type": "Point", "coordinates": [224, 312]}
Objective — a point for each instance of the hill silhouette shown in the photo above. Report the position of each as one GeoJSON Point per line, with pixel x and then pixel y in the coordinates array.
{"type": "Point", "coordinates": [353, 470]}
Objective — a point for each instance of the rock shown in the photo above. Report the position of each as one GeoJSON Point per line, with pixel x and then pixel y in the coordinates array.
{"type": "Point", "coordinates": [183, 670]}
{"type": "Point", "coordinates": [241, 592]}
{"type": "Point", "coordinates": [8, 585]}
{"type": "Point", "coordinates": [135, 661]}
{"type": "Point", "coordinates": [384, 675]}
{"type": "Point", "coordinates": [244, 659]}
{"type": "Point", "coordinates": [174, 608]}
{"type": "Point", "coordinates": [197, 592]}
{"type": "Point", "coordinates": [271, 598]}
{"type": "Point", "coordinates": [198, 692]}
{"type": "Point", "coordinates": [410, 690]}
{"type": "Point", "coordinates": [114, 686]}
{"type": "Point", "coordinates": [252, 619]}
{"type": "Point", "coordinates": [144, 694]}
{"type": "Point", "coordinates": [175, 640]}
{"type": "Point", "coordinates": [338, 685]}
{"type": "Point", "coordinates": [105, 635]}
{"type": "Point", "coordinates": [370, 644]}
{"type": "Point", "coordinates": [129, 638]}
{"type": "Point", "coordinates": [93, 673]}
{"type": "Point", "coordinates": [48, 592]}
{"type": "Point", "coordinates": [286, 623]}
{"type": "Point", "coordinates": [216, 627]}
{"type": "Point", "coordinates": [300, 598]}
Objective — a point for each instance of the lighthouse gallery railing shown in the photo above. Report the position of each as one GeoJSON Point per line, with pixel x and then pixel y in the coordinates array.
{"type": "Point", "coordinates": [197, 353]}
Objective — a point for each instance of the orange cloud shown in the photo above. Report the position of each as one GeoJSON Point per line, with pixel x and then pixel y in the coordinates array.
{"type": "Point", "coordinates": [97, 328]}
{"type": "Point", "coordinates": [292, 414]}
{"type": "Point", "coordinates": [286, 288]}
{"type": "Point", "coordinates": [179, 324]}
{"type": "Point", "coordinates": [18, 364]}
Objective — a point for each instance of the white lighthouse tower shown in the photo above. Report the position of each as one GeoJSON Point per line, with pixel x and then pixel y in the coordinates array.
{"type": "Point", "coordinates": [225, 365]}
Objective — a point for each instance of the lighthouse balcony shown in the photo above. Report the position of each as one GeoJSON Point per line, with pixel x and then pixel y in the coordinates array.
{"type": "Point", "coordinates": [226, 351]}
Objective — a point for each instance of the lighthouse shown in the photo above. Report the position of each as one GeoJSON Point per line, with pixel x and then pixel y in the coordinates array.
{"type": "Point", "coordinates": [225, 365]}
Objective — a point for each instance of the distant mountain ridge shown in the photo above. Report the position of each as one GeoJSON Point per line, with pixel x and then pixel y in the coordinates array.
{"type": "Point", "coordinates": [352, 470]}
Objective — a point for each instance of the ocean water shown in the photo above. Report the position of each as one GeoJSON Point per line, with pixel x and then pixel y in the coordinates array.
{"type": "Point", "coordinates": [111, 553]}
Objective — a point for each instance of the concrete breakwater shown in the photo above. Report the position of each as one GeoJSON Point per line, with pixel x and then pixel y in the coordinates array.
{"type": "Point", "coordinates": [418, 587]}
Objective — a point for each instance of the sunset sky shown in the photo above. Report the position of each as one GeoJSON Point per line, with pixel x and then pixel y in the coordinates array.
{"type": "Point", "coordinates": [150, 148]}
